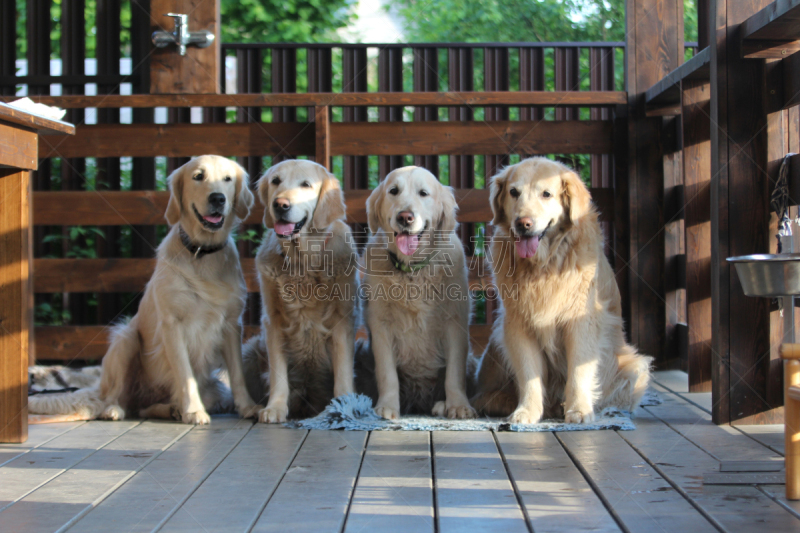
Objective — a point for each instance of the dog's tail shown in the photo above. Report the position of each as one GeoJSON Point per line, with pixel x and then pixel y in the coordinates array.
{"type": "Point", "coordinates": [632, 379]}
{"type": "Point", "coordinates": [91, 402]}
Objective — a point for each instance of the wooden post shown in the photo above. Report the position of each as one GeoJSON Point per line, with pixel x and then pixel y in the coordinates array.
{"type": "Point", "coordinates": [322, 125]}
{"type": "Point", "coordinates": [654, 48]}
{"type": "Point", "coordinates": [198, 70]}
{"type": "Point", "coordinates": [19, 144]}
{"type": "Point", "coordinates": [739, 219]}
{"type": "Point", "coordinates": [697, 223]}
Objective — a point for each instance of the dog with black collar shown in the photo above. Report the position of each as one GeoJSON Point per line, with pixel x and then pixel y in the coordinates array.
{"type": "Point", "coordinates": [416, 300]}
{"type": "Point", "coordinates": [164, 362]}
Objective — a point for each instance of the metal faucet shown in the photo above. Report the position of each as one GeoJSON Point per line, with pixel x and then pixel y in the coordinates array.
{"type": "Point", "coordinates": [181, 35]}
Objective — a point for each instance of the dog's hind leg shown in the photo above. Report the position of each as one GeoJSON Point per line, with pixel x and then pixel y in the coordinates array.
{"type": "Point", "coordinates": [124, 347]}
{"type": "Point", "coordinates": [631, 380]}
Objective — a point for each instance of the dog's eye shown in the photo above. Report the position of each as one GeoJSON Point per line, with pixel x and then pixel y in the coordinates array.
{"type": "Point", "coordinates": [227, 178]}
{"type": "Point", "coordinates": [198, 177]}
{"type": "Point", "coordinates": [514, 193]}
{"type": "Point", "coordinates": [546, 194]}
{"type": "Point", "coordinates": [306, 185]}
{"type": "Point", "coordinates": [276, 180]}
{"type": "Point", "coordinates": [393, 191]}
{"type": "Point", "coordinates": [423, 193]}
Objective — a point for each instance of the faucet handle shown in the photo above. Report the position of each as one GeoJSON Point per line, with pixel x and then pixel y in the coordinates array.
{"type": "Point", "coordinates": [180, 19]}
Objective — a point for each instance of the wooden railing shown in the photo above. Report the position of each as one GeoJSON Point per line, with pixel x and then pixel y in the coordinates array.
{"type": "Point", "coordinates": [114, 209]}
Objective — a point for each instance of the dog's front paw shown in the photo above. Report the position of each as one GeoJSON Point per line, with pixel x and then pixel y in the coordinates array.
{"type": "Point", "coordinates": [460, 411]}
{"type": "Point", "coordinates": [200, 418]}
{"type": "Point", "coordinates": [113, 412]}
{"type": "Point", "coordinates": [389, 413]}
{"type": "Point", "coordinates": [577, 417]}
{"type": "Point", "coordinates": [249, 411]}
{"type": "Point", "coordinates": [525, 416]}
{"type": "Point", "coordinates": [273, 414]}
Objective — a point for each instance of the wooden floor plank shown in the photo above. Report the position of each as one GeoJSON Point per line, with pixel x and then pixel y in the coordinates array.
{"type": "Point", "coordinates": [241, 483]}
{"type": "Point", "coordinates": [668, 386]}
{"type": "Point", "coordinates": [26, 473]}
{"type": "Point", "coordinates": [548, 480]}
{"type": "Point", "coordinates": [142, 502]}
{"type": "Point", "coordinates": [675, 380]}
{"type": "Point", "coordinates": [778, 492]}
{"type": "Point", "coordinates": [70, 495]}
{"type": "Point", "coordinates": [770, 435]}
{"type": "Point", "coordinates": [734, 508]}
{"type": "Point", "coordinates": [316, 490]}
{"type": "Point", "coordinates": [38, 435]}
{"type": "Point", "coordinates": [473, 492]}
{"type": "Point", "coordinates": [723, 442]}
{"type": "Point", "coordinates": [640, 497]}
{"type": "Point", "coordinates": [394, 490]}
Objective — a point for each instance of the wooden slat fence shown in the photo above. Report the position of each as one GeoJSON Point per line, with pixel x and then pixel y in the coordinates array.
{"type": "Point", "coordinates": [385, 107]}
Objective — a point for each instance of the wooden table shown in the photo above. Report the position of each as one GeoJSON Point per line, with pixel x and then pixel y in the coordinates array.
{"type": "Point", "coordinates": [19, 142]}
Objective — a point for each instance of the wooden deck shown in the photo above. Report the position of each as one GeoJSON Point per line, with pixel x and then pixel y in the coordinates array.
{"type": "Point", "coordinates": [237, 476]}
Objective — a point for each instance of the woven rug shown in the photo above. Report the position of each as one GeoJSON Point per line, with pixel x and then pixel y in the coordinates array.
{"type": "Point", "coordinates": [354, 412]}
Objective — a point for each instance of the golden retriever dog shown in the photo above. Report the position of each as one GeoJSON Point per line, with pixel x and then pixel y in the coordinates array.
{"type": "Point", "coordinates": [163, 362]}
{"type": "Point", "coordinates": [307, 271]}
{"type": "Point", "coordinates": [416, 300]}
{"type": "Point", "coordinates": [559, 334]}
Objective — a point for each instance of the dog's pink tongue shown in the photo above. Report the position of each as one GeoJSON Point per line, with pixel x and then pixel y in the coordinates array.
{"type": "Point", "coordinates": [284, 228]}
{"type": "Point", "coordinates": [214, 219]}
{"type": "Point", "coordinates": [407, 243]}
{"type": "Point", "coordinates": [527, 247]}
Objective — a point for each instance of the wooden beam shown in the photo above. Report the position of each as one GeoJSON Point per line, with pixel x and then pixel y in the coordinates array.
{"type": "Point", "coordinates": [146, 208]}
{"type": "Point", "coordinates": [471, 138]}
{"type": "Point", "coordinates": [69, 343]}
{"type": "Point", "coordinates": [697, 223]}
{"type": "Point", "coordinates": [181, 140]}
{"type": "Point", "coordinates": [655, 47]}
{"type": "Point", "coordinates": [769, 49]}
{"type": "Point", "coordinates": [18, 147]}
{"type": "Point", "coordinates": [778, 20]}
{"type": "Point", "coordinates": [43, 126]}
{"type": "Point", "coordinates": [363, 138]}
{"type": "Point", "coordinates": [441, 99]}
{"type": "Point", "coordinates": [664, 97]}
{"type": "Point", "coordinates": [322, 125]}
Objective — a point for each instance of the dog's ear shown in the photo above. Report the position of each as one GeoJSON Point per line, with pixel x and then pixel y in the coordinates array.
{"type": "Point", "coordinates": [262, 188]}
{"type": "Point", "coordinates": [576, 195]}
{"type": "Point", "coordinates": [175, 205]}
{"type": "Point", "coordinates": [244, 198]}
{"type": "Point", "coordinates": [374, 205]}
{"type": "Point", "coordinates": [330, 203]}
{"type": "Point", "coordinates": [446, 220]}
{"type": "Point", "coordinates": [497, 192]}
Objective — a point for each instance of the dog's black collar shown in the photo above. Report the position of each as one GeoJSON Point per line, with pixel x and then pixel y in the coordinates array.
{"type": "Point", "coordinates": [409, 268]}
{"type": "Point", "coordinates": [198, 250]}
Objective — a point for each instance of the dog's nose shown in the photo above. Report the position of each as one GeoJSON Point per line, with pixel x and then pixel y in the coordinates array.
{"type": "Point", "coordinates": [216, 199]}
{"type": "Point", "coordinates": [281, 205]}
{"type": "Point", "coordinates": [524, 224]}
{"type": "Point", "coordinates": [406, 218]}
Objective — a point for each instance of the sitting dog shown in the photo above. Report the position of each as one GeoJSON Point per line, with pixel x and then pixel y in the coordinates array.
{"type": "Point", "coordinates": [559, 335]}
{"type": "Point", "coordinates": [163, 362]}
{"type": "Point", "coordinates": [307, 271]}
{"type": "Point", "coordinates": [416, 300]}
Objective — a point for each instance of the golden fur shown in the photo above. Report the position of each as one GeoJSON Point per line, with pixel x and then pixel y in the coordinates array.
{"type": "Point", "coordinates": [304, 355]}
{"type": "Point", "coordinates": [418, 322]}
{"type": "Point", "coordinates": [162, 363]}
{"type": "Point", "coordinates": [558, 335]}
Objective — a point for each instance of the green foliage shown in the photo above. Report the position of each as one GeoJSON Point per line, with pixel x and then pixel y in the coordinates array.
{"type": "Point", "coordinates": [512, 20]}
{"type": "Point", "coordinates": [299, 21]}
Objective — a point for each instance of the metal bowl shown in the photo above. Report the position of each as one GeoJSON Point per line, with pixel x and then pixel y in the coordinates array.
{"type": "Point", "coordinates": [768, 274]}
